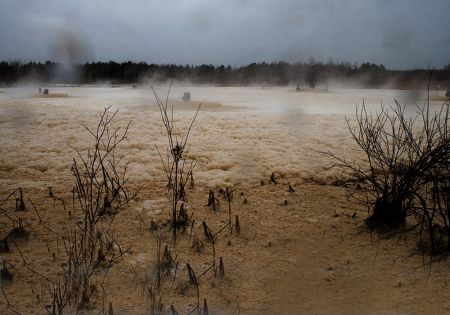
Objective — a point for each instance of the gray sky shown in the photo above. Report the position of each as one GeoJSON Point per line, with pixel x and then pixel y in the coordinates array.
{"type": "Point", "coordinates": [397, 33]}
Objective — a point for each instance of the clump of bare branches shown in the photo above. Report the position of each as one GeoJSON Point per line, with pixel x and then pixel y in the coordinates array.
{"type": "Point", "coordinates": [387, 181]}
{"type": "Point", "coordinates": [179, 171]}
{"type": "Point", "coordinates": [87, 251]}
{"type": "Point", "coordinates": [101, 175]}
{"type": "Point", "coordinates": [176, 165]}
{"type": "Point", "coordinates": [100, 193]}
{"type": "Point", "coordinates": [432, 206]}
{"type": "Point", "coordinates": [406, 171]}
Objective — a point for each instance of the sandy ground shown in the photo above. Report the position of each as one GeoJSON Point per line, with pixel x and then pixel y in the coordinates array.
{"type": "Point", "coordinates": [309, 256]}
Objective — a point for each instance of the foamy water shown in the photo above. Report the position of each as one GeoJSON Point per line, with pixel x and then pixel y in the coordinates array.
{"type": "Point", "coordinates": [242, 134]}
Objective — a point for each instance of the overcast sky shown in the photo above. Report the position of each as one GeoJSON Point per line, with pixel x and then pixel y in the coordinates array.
{"type": "Point", "coordinates": [397, 33]}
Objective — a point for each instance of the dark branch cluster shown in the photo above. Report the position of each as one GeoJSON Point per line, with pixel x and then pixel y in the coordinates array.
{"type": "Point", "coordinates": [406, 169]}
{"type": "Point", "coordinates": [177, 168]}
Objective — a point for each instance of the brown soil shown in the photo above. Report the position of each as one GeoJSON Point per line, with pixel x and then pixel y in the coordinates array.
{"type": "Point", "coordinates": [311, 256]}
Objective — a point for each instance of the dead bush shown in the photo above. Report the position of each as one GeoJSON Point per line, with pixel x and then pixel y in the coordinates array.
{"type": "Point", "coordinates": [406, 169]}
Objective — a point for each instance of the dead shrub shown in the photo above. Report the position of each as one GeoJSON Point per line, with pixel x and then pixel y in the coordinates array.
{"type": "Point", "coordinates": [406, 171]}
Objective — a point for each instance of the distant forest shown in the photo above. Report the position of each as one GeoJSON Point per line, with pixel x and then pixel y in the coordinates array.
{"type": "Point", "coordinates": [305, 75]}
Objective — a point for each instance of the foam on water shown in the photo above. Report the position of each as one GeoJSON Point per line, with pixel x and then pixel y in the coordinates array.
{"type": "Point", "coordinates": [241, 135]}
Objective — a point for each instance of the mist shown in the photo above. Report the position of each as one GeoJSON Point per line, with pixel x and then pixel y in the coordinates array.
{"type": "Point", "coordinates": [315, 76]}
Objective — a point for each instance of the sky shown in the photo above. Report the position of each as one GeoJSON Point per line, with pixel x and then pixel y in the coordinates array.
{"type": "Point", "coordinates": [401, 34]}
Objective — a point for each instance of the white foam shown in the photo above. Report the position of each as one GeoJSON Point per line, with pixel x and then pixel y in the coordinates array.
{"type": "Point", "coordinates": [255, 133]}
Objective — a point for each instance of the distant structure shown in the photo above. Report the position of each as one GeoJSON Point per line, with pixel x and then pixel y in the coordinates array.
{"type": "Point", "coordinates": [45, 92]}
{"type": "Point", "coordinates": [186, 97]}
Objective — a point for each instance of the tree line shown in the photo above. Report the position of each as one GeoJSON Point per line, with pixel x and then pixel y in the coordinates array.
{"type": "Point", "coordinates": [310, 74]}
